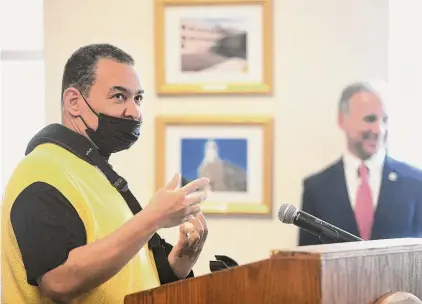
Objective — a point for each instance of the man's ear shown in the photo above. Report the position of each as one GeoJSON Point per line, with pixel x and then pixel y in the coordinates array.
{"type": "Point", "coordinates": [341, 120]}
{"type": "Point", "coordinates": [71, 101]}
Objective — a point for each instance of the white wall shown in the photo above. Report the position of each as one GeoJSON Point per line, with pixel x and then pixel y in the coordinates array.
{"type": "Point", "coordinates": [405, 79]}
{"type": "Point", "coordinates": [21, 79]}
{"type": "Point", "coordinates": [319, 47]}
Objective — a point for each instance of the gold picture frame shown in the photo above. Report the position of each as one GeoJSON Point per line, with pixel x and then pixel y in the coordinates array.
{"type": "Point", "coordinates": [214, 57]}
{"type": "Point", "coordinates": [240, 147]}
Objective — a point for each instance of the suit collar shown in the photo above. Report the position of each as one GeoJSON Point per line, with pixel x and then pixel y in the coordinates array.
{"type": "Point", "coordinates": [388, 200]}
{"type": "Point", "coordinates": [374, 163]}
{"type": "Point", "coordinates": [340, 197]}
{"type": "Point", "coordinates": [390, 174]}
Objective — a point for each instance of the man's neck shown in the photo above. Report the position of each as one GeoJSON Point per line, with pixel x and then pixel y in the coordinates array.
{"type": "Point", "coordinates": [375, 160]}
{"type": "Point", "coordinates": [75, 127]}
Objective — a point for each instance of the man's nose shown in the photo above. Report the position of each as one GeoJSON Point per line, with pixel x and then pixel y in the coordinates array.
{"type": "Point", "coordinates": [133, 111]}
{"type": "Point", "coordinates": [376, 127]}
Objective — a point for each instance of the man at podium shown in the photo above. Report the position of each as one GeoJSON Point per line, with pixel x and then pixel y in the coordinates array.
{"type": "Point", "coordinates": [365, 192]}
{"type": "Point", "coordinates": [72, 231]}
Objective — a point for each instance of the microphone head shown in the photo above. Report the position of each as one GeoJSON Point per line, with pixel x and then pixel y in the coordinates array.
{"type": "Point", "coordinates": [287, 213]}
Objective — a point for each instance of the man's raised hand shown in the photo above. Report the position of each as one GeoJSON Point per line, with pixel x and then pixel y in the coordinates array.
{"type": "Point", "coordinates": [173, 205]}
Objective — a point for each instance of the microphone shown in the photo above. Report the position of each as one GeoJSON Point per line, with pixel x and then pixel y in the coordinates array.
{"type": "Point", "coordinates": [289, 214]}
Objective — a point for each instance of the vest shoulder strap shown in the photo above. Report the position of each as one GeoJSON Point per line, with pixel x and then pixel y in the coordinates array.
{"type": "Point", "coordinates": [67, 139]}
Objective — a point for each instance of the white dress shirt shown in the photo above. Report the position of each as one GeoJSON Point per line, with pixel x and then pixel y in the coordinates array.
{"type": "Point", "coordinates": [351, 168]}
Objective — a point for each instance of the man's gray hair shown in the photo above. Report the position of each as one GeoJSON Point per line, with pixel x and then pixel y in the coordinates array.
{"type": "Point", "coordinates": [378, 88]}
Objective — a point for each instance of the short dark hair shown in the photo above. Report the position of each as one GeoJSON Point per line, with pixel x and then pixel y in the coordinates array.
{"type": "Point", "coordinates": [79, 71]}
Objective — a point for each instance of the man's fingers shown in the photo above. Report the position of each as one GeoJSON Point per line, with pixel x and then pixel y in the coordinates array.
{"type": "Point", "coordinates": [192, 237]}
{"type": "Point", "coordinates": [195, 185]}
{"type": "Point", "coordinates": [198, 225]}
{"type": "Point", "coordinates": [195, 198]}
{"type": "Point", "coordinates": [192, 210]}
{"type": "Point", "coordinates": [201, 218]}
{"type": "Point", "coordinates": [172, 185]}
{"type": "Point", "coordinates": [188, 218]}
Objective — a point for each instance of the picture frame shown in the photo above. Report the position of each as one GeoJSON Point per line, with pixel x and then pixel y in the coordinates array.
{"type": "Point", "coordinates": [213, 47]}
{"type": "Point", "coordinates": [234, 152]}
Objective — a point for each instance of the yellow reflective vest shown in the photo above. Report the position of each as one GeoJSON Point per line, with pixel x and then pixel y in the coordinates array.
{"type": "Point", "coordinates": [99, 205]}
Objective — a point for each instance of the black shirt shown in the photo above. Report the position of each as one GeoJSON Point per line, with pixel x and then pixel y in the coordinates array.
{"type": "Point", "coordinates": [46, 225]}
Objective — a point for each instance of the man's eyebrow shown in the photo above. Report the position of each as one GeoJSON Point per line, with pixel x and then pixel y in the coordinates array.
{"type": "Point", "coordinates": [126, 90]}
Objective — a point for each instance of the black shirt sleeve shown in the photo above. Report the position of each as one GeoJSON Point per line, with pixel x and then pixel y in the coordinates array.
{"type": "Point", "coordinates": [165, 271]}
{"type": "Point", "coordinates": [47, 228]}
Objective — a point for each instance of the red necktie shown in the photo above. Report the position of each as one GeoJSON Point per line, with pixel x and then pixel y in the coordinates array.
{"type": "Point", "coordinates": [364, 210]}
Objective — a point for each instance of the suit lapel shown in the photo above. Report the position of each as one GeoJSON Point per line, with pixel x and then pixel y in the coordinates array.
{"type": "Point", "coordinates": [390, 184]}
{"type": "Point", "coordinates": [342, 206]}
{"type": "Point", "coordinates": [342, 214]}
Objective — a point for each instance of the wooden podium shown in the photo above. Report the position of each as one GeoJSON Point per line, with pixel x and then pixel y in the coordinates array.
{"type": "Point", "coordinates": [355, 273]}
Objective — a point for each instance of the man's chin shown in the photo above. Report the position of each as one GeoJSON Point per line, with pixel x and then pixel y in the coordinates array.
{"type": "Point", "coordinates": [370, 151]}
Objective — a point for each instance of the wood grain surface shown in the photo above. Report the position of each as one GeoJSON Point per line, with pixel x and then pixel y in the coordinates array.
{"type": "Point", "coordinates": [361, 272]}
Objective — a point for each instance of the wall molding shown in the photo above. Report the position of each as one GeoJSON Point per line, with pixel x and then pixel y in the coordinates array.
{"type": "Point", "coordinates": [21, 55]}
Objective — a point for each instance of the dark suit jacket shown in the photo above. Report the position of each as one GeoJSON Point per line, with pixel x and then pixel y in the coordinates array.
{"type": "Point", "coordinates": [399, 208]}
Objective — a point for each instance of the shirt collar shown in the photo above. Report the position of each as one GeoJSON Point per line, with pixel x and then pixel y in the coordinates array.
{"type": "Point", "coordinates": [374, 163]}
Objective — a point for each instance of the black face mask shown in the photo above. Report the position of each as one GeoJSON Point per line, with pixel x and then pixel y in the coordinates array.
{"type": "Point", "coordinates": [113, 134]}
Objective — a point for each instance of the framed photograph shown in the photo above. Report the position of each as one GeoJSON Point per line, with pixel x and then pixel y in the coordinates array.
{"type": "Point", "coordinates": [213, 47]}
{"type": "Point", "coordinates": [235, 153]}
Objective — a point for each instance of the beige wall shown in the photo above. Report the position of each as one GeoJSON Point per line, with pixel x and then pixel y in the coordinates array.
{"type": "Point", "coordinates": [319, 47]}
